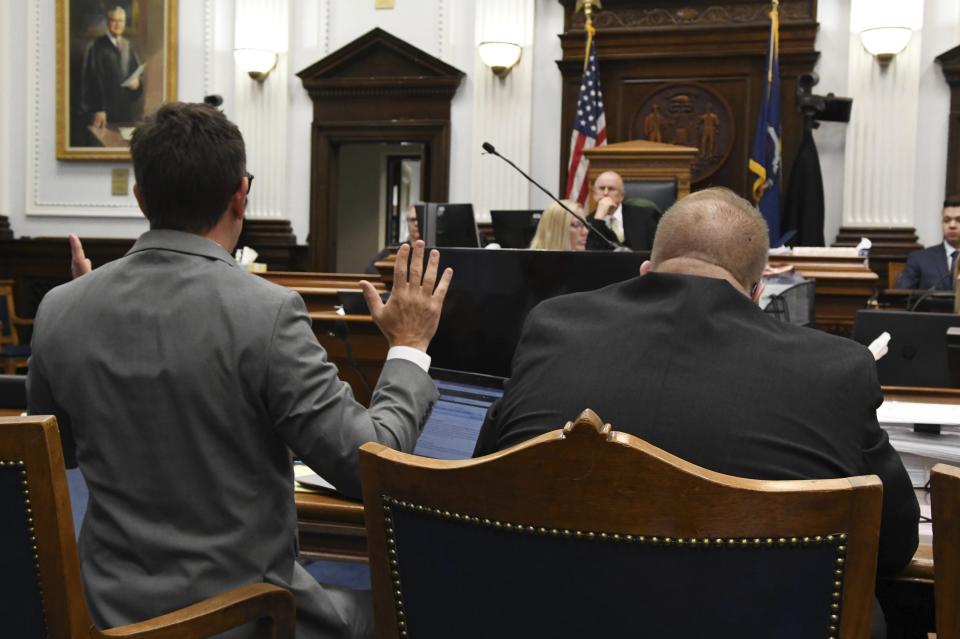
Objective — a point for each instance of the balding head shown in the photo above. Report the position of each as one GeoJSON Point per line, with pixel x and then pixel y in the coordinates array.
{"type": "Point", "coordinates": [712, 232]}
{"type": "Point", "coordinates": [608, 184]}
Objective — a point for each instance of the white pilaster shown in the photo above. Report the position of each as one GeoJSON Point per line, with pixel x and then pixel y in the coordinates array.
{"type": "Point", "coordinates": [261, 107]}
{"type": "Point", "coordinates": [881, 145]}
{"type": "Point", "coordinates": [6, 166]}
{"type": "Point", "coordinates": [503, 113]}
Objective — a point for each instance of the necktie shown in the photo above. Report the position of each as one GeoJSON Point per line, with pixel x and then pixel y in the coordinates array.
{"type": "Point", "coordinates": [953, 265]}
{"type": "Point", "coordinates": [616, 227]}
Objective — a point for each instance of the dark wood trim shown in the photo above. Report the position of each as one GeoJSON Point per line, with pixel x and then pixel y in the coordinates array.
{"type": "Point", "coordinates": [647, 45]}
{"type": "Point", "coordinates": [950, 63]}
{"type": "Point", "coordinates": [377, 88]}
{"type": "Point", "coordinates": [890, 244]}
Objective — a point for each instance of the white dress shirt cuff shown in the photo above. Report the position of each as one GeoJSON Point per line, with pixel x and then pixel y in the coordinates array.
{"type": "Point", "coordinates": [418, 357]}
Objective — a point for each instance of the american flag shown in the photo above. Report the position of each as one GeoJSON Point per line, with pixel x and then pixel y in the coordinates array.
{"type": "Point", "coordinates": [589, 128]}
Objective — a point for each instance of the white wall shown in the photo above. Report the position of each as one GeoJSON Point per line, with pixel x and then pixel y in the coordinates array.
{"type": "Point", "coordinates": [887, 166]}
{"type": "Point", "coordinates": [42, 196]}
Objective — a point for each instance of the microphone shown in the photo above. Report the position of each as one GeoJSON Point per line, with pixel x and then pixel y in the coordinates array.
{"type": "Point", "coordinates": [930, 291]}
{"type": "Point", "coordinates": [616, 246]}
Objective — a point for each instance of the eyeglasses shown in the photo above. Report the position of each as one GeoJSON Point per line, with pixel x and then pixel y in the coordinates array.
{"type": "Point", "coordinates": [249, 183]}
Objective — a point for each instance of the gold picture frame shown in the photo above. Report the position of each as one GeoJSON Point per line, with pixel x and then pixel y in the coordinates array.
{"type": "Point", "coordinates": [113, 66]}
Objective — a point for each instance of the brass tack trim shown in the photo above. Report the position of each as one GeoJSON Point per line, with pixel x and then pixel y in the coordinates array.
{"type": "Point", "coordinates": [28, 512]}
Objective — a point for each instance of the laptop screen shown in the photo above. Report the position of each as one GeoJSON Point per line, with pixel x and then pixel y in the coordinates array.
{"type": "Point", "coordinates": [453, 427]}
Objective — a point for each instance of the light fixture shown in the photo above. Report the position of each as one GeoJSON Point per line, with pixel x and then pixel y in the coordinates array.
{"type": "Point", "coordinates": [884, 43]}
{"type": "Point", "coordinates": [500, 56]}
{"type": "Point", "coordinates": [258, 63]}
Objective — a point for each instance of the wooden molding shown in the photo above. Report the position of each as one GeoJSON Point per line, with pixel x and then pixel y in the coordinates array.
{"type": "Point", "coordinates": [377, 88]}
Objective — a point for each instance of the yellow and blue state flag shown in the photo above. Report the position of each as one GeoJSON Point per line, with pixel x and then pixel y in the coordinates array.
{"type": "Point", "coordinates": [765, 162]}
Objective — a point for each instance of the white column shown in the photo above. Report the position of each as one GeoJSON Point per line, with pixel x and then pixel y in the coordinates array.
{"type": "Point", "coordinates": [881, 145]}
{"type": "Point", "coordinates": [261, 107]}
{"type": "Point", "coordinates": [6, 55]}
{"type": "Point", "coordinates": [503, 113]}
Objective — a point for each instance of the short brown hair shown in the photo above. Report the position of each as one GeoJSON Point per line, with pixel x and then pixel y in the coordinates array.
{"type": "Point", "coordinates": [716, 226]}
{"type": "Point", "coordinates": [951, 201]}
{"type": "Point", "coordinates": [189, 160]}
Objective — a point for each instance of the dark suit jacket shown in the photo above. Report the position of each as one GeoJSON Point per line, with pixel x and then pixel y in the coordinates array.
{"type": "Point", "coordinates": [639, 227]}
{"type": "Point", "coordinates": [182, 382]}
{"type": "Point", "coordinates": [692, 366]}
{"type": "Point", "coordinates": [926, 269]}
{"type": "Point", "coordinates": [104, 70]}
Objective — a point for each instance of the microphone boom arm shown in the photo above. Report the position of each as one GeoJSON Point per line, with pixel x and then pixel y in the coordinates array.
{"type": "Point", "coordinates": [617, 246]}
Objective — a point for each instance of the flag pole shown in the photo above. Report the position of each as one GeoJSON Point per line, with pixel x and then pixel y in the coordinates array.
{"type": "Point", "coordinates": [587, 6]}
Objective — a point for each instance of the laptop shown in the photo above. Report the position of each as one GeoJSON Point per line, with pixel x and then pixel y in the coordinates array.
{"type": "Point", "coordinates": [917, 352]}
{"type": "Point", "coordinates": [452, 430]}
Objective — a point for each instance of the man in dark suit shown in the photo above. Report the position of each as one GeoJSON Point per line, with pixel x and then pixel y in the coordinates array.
{"type": "Point", "coordinates": [683, 357]}
{"type": "Point", "coordinates": [632, 226]}
{"type": "Point", "coordinates": [932, 267]}
{"type": "Point", "coordinates": [181, 383]}
{"type": "Point", "coordinates": [109, 91]}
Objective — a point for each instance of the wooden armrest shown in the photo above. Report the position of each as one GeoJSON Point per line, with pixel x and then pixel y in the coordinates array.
{"type": "Point", "coordinates": [20, 321]}
{"type": "Point", "coordinates": [218, 614]}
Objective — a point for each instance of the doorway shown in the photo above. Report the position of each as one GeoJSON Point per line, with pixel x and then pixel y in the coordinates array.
{"type": "Point", "coordinates": [376, 182]}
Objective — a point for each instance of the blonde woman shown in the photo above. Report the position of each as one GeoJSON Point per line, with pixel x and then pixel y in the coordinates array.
{"type": "Point", "coordinates": [560, 231]}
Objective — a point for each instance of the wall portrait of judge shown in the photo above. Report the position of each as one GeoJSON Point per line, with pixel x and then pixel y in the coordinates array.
{"type": "Point", "coordinates": [116, 61]}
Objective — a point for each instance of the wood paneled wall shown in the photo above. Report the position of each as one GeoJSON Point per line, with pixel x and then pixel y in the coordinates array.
{"type": "Point", "coordinates": [701, 62]}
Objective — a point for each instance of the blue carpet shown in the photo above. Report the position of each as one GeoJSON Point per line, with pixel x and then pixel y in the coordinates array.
{"type": "Point", "coordinates": [338, 573]}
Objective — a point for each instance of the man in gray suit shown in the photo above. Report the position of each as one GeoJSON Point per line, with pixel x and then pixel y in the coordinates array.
{"type": "Point", "coordinates": [181, 382]}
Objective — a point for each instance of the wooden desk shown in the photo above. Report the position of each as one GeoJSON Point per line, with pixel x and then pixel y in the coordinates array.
{"type": "Point", "coordinates": [844, 286]}
{"type": "Point", "coordinates": [330, 527]}
{"type": "Point", "coordinates": [368, 344]}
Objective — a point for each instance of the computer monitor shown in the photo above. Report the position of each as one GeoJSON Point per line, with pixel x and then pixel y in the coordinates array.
{"type": "Point", "coordinates": [515, 229]}
{"type": "Point", "coordinates": [446, 224]}
{"type": "Point", "coordinates": [493, 291]}
{"type": "Point", "coordinates": [917, 352]}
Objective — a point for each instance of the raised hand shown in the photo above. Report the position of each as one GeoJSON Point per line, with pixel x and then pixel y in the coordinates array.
{"type": "Point", "coordinates": [79, 264]}
{"type": "Point", "coordinates": [411, 314]}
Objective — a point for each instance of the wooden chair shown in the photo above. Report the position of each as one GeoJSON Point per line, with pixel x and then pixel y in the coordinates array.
{"type": "Point", "coordinates": [13, 354]}
{"type": "Point", "coordinates": [945, 497]}
{"type": "Point", "coordinates": [41, 594]}
{"type": "Point", "coordinates": [587, 532]}
{"type": "Point", "coordinates": [894, 269]}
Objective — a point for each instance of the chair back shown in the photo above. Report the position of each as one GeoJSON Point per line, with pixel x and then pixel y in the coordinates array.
{"type": "Point", "coordinates": [945, 496]}
{"type": "Point", "coordinates": [894, 269]}
{"type": "Point", "coordinates": [589, 532]}
{"type": "Point", "coordinates": [796, 305]}
{"type": "Point", "coordinates": [8, 330]}
{"type": "Point", "coordinates": [663, 193]}
{"type": "Point", "coordinates": [39, 568]}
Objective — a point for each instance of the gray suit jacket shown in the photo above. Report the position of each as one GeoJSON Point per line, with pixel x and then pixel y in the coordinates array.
{"type": "Point", "coordinates": [182, 380]}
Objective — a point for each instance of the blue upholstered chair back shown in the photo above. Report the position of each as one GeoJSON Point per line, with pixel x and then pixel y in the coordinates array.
{"type": "Point", "coordinates": [590, 533]}
{"type": "Point", "coordinates": [21, 599]}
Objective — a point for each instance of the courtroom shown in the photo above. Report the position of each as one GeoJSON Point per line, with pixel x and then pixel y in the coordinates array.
{"type": "Point", "coordinates": [480, 318]}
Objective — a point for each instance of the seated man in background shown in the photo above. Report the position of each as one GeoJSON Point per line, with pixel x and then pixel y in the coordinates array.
{"type": "Point", "coordinates": [181, 382]}
{"type": "Point", "coordinates": [932, 267]}
{"type": "Point", "coordinates": [683, 357]}
{"type": "Point", "coordinates": [560, 231]}
{"type": "Point", "coordinates": [632, 226]}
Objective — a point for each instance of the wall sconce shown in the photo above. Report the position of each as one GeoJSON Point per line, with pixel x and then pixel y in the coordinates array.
{"type": "Point", "coordinates": [500, 56]}
{"type": "Point", "coordinates": [258, 63]}
{"type": "Point", "coordinates": [884, 43]}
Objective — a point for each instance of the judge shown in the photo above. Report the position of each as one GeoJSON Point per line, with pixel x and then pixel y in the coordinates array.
{"type": "Point", "coordinates": [619, 221]}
